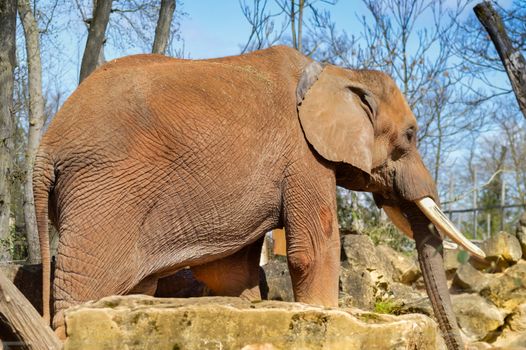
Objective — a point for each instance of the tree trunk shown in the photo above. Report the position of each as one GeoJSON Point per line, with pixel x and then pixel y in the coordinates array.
{"type": "Point", "coordinates": [23, 320]}
{"type": "Point", "coordinates": [293, 24]}
{"type": "Point", "coordinates": [7, 65]}
{"type": "Point", "coordinates": [162, 31]}
{"type": "Point", "coordinates": [300, 24]}
{"type": "Point", "coordinates": [36, 122]}
{"type": "Point", "coordinates": [97, 29]}
{"type": "Point", "coordinates": [511, 58]}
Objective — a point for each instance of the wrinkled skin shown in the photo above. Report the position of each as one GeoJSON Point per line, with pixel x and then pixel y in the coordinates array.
{"type": "Point", "coordinates": [154, 164]}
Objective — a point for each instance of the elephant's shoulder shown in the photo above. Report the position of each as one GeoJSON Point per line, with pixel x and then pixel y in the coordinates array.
{"type": "Point", "coordinates": [280, 59]}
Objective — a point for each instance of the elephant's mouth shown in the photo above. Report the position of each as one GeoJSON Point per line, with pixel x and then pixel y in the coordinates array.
{"type": "Point", "coordinates": [433, 212]}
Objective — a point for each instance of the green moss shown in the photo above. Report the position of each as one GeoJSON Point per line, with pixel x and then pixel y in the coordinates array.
{"type": "Point", "coordinates": [386, 307]}
{"type": "Point", "coordinates": [111, 303]}
{"type": "Point", "coordinates": [368, 317]}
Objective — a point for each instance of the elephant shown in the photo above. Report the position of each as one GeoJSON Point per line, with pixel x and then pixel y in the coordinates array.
{"type": "Point", "coordinates": [154, 164]}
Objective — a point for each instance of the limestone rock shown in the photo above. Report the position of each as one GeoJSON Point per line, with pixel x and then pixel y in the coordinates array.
{"type": "Point", "coordinates": [479, 345]}
{"type": "Point", "coordinates": [478, 318]}
{"type": "Point", "coordinates": [364, 271]}
{"type": "Point", "coordinates": [140, 322]}
{"type": "Point", "coordinates": [405, 269]}
{"type": "Point", "coordinates": [503, 248]}
{"type": "Point", "coordinates": [508, 289]}
{"type": "Point", "coordinates": [357, 287]}
{"type": "Point", "coordinates": [278, 281]}
{"type": "Point", "coordinates": [521, 234]}
{"type": "Point", "coordinates": [361, 253]}
{"type": "Point", "coordinates": [514, 333]}
{"type": "Point", "coordinates": [468, 279]}
{"type": "Point", "coordinates": [521, 237]}
{"type": "Point", "coordinates": [403, 299]}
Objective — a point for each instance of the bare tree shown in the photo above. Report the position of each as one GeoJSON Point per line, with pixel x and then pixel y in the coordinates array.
{"type": "Point", "coordinates": [296, 25]}
{"type": "Point", "coordinates": [7, 65]}
{"type": "Point", "coordinates": [479, 59]}
{"type": "Point", "coordinates": [263, 32]}
{"type": "Point", "coordinates": [292, 13]}
{"type": "Point", "coordinates": [511, 58]}
{"type": "Point", "coordinates": [97, 29]}
{"type": "Point", "coordinates": [162, 30]}
{"type": "Point", "coordinates": [134, 24]}
{"type": "Point", "coordinates": [36, 122]}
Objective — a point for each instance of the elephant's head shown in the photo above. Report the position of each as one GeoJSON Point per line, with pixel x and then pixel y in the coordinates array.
{"type": "Point", "coordinates": [360, 120]}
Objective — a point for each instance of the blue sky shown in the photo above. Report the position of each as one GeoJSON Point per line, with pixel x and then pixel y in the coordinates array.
{"type": "Point", "coordinates": [218, 28]}
{"type": "Point", "coordinates": [211, 28]}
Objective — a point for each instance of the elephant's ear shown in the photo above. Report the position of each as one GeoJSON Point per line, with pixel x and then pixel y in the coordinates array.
{"type": "Point", "coordinates": [337, 116]}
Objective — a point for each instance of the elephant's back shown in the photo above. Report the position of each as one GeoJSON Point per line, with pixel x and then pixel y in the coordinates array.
{"type": "Point", "coordinates": [153, 96]}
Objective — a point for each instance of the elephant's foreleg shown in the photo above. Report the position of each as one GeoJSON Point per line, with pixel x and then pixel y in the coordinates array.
{"type": "Point", "coordinates": [234, 275]}
{"type": "Point", "coordinates": [313, 243]}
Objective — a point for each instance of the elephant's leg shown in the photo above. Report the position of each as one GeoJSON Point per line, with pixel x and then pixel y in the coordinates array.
{"type": "Point", "coordinates": [312, 234]}
{"type": "Point", "coordinates": [89, 269]}
{"type": "Point", "coordinates": [147, 286]}
{"type": "Point", "coordinates": [234, 275]}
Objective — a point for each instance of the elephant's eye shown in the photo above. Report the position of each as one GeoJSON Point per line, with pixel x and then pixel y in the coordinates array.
{"type": "Point", "coordinates": [410, 134]}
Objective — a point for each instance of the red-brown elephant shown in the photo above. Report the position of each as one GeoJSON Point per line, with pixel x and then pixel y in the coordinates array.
{"type": "Point", "coordinates": [155, 163]}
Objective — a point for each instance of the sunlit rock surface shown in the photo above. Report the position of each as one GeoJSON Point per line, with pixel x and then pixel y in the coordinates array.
{"type": "Point", "coordinates": [141, 322]}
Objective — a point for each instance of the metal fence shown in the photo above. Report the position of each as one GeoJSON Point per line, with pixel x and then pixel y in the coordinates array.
{"type": "Point", "coordinates": [478, 220]}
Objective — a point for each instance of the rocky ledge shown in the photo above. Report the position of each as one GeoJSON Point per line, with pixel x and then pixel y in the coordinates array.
{"type": "Point", "coordinates": [142, 322]}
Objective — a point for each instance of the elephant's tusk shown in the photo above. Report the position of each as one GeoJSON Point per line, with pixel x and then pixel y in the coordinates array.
{"type": "Point", "coordinates": [441, 221]}
{"type": "Point", "coordinates": [398, 219]}
{"type": "Point", "coordinates": [449, 245]}
{"type": "Point", "coordinates": [401, 223]}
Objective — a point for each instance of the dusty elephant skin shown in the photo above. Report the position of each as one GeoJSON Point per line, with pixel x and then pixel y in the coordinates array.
{"type": "Point", "coordinates": [156, 163]}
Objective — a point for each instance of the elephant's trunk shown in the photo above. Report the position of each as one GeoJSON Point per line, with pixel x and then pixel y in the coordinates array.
{"type": "Point", "coordinates": [429, 248]}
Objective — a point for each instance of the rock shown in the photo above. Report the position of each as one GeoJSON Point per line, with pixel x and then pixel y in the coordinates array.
{"type": "Point", "coordinates": [468, 279]}
{"type": "Point", "coordinates": [479, 345]}
{"type": "Point", "coordinates": [520, 233]}
{"type": "Point", "coordinates": [364, 271]}
{"type": "Point", "coordinates": [504, 249]}
{"type": "Point", "coordinates": [478, 318]}
{"type": "Point", "coordinates": [141, 322]}
{"type": "Point", "coordinates": [514, 333]}
{"type": "Point", "coordinates": [405, 269]}
{"type": "Point", "coordinates": [508, 289]}
{"type": "Point", "coordinates": [278, 281]}
{"type": "Point", "coordinates": [521, 237]}
{"type": "Point", "coordinates": [360, 252]}
{"type": "Point", "coordinates": [402, 299]}
{"type": "Point", "coordinates": [357, 287]}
